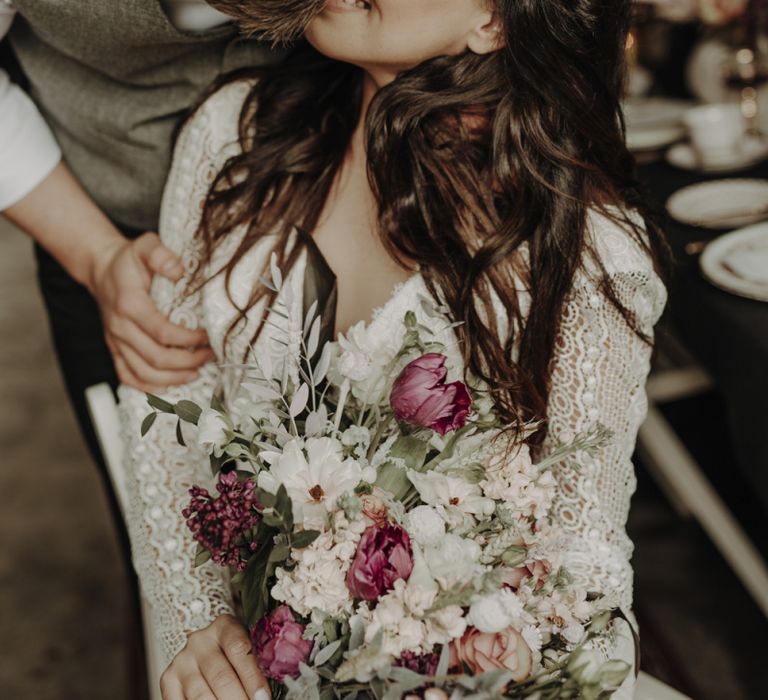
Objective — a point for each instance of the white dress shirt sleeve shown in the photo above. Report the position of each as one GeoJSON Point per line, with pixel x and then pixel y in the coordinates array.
{"type": "Point", "coordinates": [28, 150]}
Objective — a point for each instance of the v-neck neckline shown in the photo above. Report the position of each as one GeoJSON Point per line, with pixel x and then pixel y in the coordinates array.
{"type": "Point", "coordinates": [315, 256]}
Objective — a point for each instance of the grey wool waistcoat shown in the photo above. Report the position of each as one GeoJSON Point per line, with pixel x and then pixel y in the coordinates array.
{"type": "Point", "coordinates": [113, 78]}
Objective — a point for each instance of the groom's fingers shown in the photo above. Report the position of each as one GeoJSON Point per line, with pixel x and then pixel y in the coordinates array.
{"type": "Point", "coordinates": [157, 258]}
{"type": "Point", "coordinates": [149, 375]}
{"type": "Point", "coordinates": [162, 357]}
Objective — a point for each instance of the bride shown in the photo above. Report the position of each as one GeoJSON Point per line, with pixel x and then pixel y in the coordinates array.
{"type": "Point", "coordinates": [471, 150]}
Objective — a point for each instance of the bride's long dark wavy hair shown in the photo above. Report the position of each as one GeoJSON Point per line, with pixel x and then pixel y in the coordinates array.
{"type": "Point", "coordinates": [471, 158]}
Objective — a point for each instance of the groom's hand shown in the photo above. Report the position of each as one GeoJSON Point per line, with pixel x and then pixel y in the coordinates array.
{"type": "Point", "coordinates": [149, 351]}
{"type": "Point", "coordinates": [216, 664]}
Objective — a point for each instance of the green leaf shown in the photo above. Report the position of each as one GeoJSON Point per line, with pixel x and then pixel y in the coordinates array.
{"type": "Point", "coordinates": [266, 498]}
{"type": "Point", "coordinates": [217, 405]}
{"type": "Point", "coordinates": [179, 434]}
{"type": "Point", "coordinates": [284, 508]}
{"type": "Point", "coordinates": [273, 520]}
{"type": "Point", "coordinates": [159, 404]}
{"type": "Point", "coordinates": [412, 450]}
{"type": "Point", "coordinates": [188, 411]}
{"type": "Point", "coordinates": [304, 538]}
{"type": "Point", "coordinates": [279, 553]}
{"type": "Point", "coordinates": [202, 556]}
{"type": "Point", "coordinates": [514, 555]}
{"type": "Point", "coordinates": [147, 423]}
{"type": "Point", "coordinates": [255, 586]}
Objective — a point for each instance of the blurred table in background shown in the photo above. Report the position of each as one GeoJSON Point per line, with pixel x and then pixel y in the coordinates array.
{"type": "Point", "coordinates": [726, 333]}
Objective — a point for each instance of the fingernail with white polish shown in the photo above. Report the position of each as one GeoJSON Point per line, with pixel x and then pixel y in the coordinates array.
{"type": "Point", "coordinates": [261, 694]}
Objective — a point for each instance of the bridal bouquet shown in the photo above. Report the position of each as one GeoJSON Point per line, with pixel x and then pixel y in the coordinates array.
{"type": "Point", "coordinates": [387, 538]}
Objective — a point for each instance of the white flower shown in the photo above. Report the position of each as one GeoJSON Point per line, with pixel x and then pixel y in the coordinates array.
{"type": "Point", "coordinates": [438, 489]}
{"type": "Point", "coordinates": [314, 477]}
{"type": "Point", "coordinates": [532, 637]}
{"type": "Point", "coordinates": [363, 360]}
{"type": "Point", "coordinates": [425, 525]}
{"type": "Point", "coordinates": [356, 435]}
{"type": "Point", "coordinates": [211, 431]}
{"type": "Point", "coordinates": [489, 615]}
{"type": "Point", "coordinates": [401, 626]}
{"type": "Point", "coordinates": [453, 560]}
{"type": "Point", "coordinates": [317, 582]}
{"type": "Point", "coordinates": [445, 625]}
{"type": "Point", "coordinates": [496, 611]}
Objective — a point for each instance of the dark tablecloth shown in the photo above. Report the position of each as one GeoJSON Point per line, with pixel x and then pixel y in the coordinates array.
{"type": "Point", "coordinates": [727, 334]}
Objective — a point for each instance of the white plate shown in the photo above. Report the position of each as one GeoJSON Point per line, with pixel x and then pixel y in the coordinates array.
{"type": "Point", "coordinates": [654, 122]}
{"type": "Point", "coordinates": [721, 204]}
{"type": "Point", "coordinates": [684, 156]}
{"type": "Point", "coordinates": [714, 261]}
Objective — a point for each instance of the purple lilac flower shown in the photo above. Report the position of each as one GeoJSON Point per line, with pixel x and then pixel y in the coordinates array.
{"type": "Point", "coordinates": [219, 523]}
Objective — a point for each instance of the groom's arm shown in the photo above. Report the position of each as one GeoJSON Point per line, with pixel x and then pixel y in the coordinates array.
{"type": "Point", "coordinates": [39, 194]}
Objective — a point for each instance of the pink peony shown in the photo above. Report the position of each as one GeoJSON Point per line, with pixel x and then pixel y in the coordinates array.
{"type": "Point", "coordinates": [219, 523]}
{"type": "Point", "coordinates": [279, 644]}
{"type": "Point", "coordinates": [421, 397]}
{"type": "Point", "coordinates": [383, 556]}
{"type": "Point", "coordinates": [503, 651]}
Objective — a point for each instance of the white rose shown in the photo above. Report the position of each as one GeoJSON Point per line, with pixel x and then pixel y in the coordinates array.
{"type": "Point", "coordinates": [425, 525]}
{"type": "Point", "coordinates": [211, 430]}
{"type": "Point", "coordinates": [453, 560]}
{"type": "Point", "coordinates": [489, 614]}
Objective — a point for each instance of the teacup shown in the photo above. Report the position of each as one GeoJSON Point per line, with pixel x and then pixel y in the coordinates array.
{"type": "Point", "coordinates": [717, 132]}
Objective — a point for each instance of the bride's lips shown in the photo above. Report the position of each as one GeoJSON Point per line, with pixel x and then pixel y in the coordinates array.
{"type": "Point", "coordinates": [347, 5]}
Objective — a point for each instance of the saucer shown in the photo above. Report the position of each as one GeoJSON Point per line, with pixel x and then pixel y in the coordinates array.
{"type": "Point", "coordinates": [738, 262]}
{"type": "Point", "coordinates": [721, 204]}
{"type": "Point", "coordinates": [654, 122]}
{"type": "Point", "coordinates": [685, 157]}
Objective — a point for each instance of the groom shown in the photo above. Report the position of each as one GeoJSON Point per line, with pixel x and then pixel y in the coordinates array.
{"type": "Point", "coordinates": [84, 161]}
{"type": "Point", "coordinates": [85, 154]}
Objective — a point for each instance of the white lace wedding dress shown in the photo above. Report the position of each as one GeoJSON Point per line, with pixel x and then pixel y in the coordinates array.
{"type": "Point", "coordinates": [599, 375]}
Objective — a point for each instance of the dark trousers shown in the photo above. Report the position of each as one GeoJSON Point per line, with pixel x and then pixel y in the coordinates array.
{"type": "Point", "coordinates": [84, 359]}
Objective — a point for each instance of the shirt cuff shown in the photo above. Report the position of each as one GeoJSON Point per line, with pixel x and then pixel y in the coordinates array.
{"type": "Point", "coordinates": [28, 149]}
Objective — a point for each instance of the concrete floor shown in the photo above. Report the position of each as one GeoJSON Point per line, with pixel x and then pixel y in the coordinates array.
{"type": "Point", "coordinates": [63, 597]}
{"type": "Point", "coordinates": [62, 591]}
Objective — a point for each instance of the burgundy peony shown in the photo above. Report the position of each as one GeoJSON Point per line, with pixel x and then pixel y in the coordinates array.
{"type": "Point", "coordinates": [421, 397]}
{"type": "Point", "coordinates": [279, 645]}
{"type": "Point", "coordinates": [383, 556]}
{"type": "Point", "coordinates": [219, 523]}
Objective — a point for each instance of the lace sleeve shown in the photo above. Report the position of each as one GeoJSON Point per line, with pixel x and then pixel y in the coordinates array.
{"type": "Point", "coordinates": [599, 373]}
{"type": "Point", "coordinates": [159, 472]}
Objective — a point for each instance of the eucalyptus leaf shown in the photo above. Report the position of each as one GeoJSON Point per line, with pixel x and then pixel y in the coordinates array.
{"type": "Point", "coordinates": [303, 539]}
{"type": "Point", "coordinates": [159, 404]}
{"type": "Point", "coordinates": [299, 401]}
{"type": "Point", "coordinates": [325, 654]}
{"type": "Point", "coordinates": [147, 423]}
{"type": "Point", "coordinates": [314, 338]}
{"type": "Point", "coordinates": [188, 411]}
{"type": "Point", "coordinates": [202, 556]}
{"type": "Point", "coordinates": [179, 434]}
{"type": "Point", "coordinates": [323, 364]}
{"type": "Point", "coordinates": [310, 316]}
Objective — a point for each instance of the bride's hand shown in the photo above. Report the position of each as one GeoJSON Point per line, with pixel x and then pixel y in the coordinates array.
{"type": "Point", "coordinates": [149, 351]}
{"type": "Point", "coordinates": [216, 664]}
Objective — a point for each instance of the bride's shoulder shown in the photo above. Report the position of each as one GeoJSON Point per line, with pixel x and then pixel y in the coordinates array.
{"type": "Point", "coordinates": [620, 250]}
{"type": "Point", "coordinates": [619, 241]}
{"type": "Point", "coordinates": [213, 128]}
{"type": "Point", "coordinates": [208, 138]}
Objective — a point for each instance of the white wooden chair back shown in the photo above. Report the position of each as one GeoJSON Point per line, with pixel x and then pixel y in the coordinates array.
{"type": "Point", "coordinates": [103, 409]}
